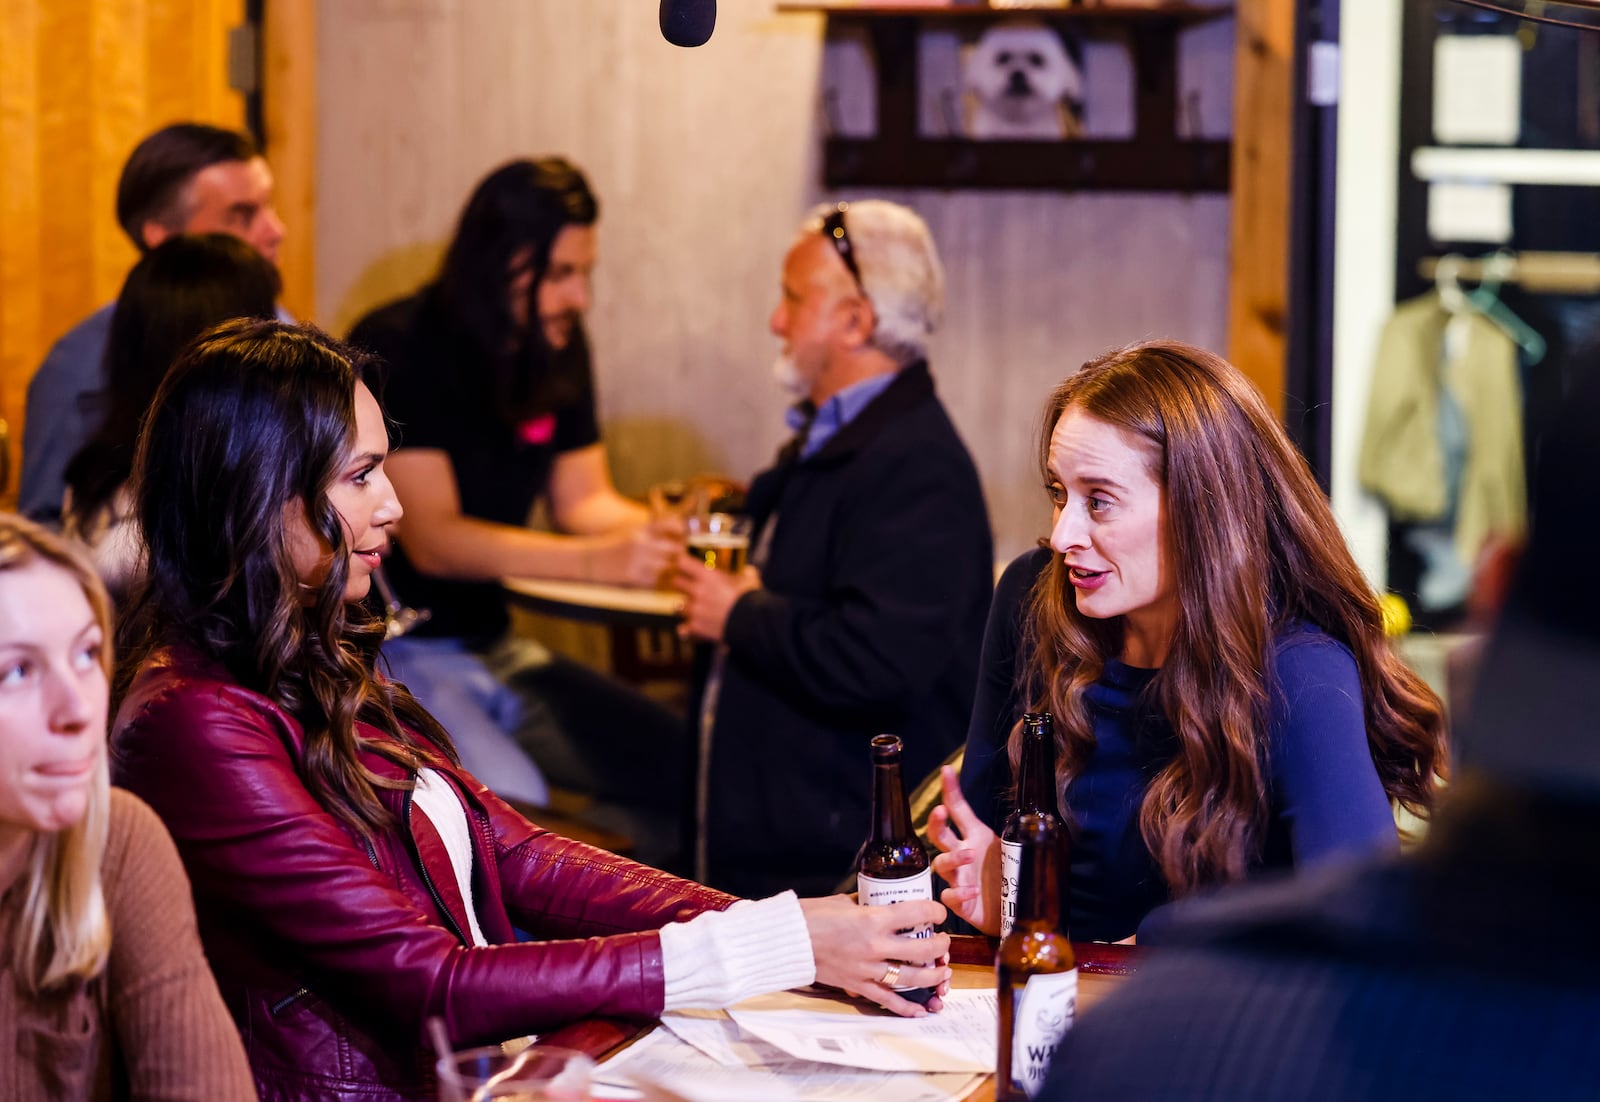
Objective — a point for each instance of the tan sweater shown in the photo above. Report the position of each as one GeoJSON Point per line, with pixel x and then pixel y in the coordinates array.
{"type": "Point", "coordinates": [153, 1025]}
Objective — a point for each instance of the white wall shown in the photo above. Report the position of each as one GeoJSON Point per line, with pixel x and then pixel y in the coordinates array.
{"type": "Point", "coordinates": [1364, 250]}
{"type": "Point", "coordinates": [705, 160]}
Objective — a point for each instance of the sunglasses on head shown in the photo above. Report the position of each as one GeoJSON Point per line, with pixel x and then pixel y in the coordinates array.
{"type": "Point", "coordinates": [833, 229]}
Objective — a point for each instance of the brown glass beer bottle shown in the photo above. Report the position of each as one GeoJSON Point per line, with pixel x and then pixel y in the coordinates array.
{"type": "Point", "coordinates": [893, 867]}
{"type": "Point", "coordinates": [1036, 969]}
{"type": "Point", "coordinates": [1036, 795]}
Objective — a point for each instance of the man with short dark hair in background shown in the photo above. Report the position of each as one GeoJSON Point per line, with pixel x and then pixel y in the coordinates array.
{"type": "Point", "coordinates": [864, 609]}
{"type": "Point", "coordinates": [1469, 969]}
{"type": "Point", "coordinates": [184, 178]}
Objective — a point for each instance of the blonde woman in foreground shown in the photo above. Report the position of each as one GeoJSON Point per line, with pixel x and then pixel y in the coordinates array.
{"type": "Point", "coordinates": [104, 989]}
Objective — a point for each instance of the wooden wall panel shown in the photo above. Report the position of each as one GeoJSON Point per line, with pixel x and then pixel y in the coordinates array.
{"type": "Point", "coordinates": [705, 161]}
{"type": "Point", "coordinates": [20, 325]}
{"type": "Point", "coordinates": [289, 85]}
{"type": "Point", "coordinates": [1262, 152]}
{"type": "Point", "coordinates": [81, 81]}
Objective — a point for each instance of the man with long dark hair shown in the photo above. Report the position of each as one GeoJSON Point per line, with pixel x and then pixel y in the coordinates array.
{"type": "Point", "coordinates": [185, 178]}
{"type": "Point", "coordinates": [490, 384]}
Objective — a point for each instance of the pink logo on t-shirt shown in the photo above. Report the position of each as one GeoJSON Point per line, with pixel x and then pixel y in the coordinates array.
{"type": "Point", "coordinates": [538, 430]}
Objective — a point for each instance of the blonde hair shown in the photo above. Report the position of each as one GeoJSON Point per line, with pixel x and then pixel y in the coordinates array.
{"type": "Point", "coordinates": [63, 931]}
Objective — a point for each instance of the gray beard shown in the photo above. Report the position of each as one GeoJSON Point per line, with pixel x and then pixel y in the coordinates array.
{"type": "Point", "coordinates": [786, 373]}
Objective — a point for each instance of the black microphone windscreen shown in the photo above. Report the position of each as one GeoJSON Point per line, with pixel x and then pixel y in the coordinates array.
{"type": "Point", "coordinates": [688, 22]}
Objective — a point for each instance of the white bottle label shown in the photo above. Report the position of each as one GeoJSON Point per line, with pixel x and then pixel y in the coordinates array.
{"type": "Point", "coordinates": [1045, 1008]}
{"type": "Point", "coordinates": [873, 891]}
{"type": "Point", "coordinates": [1010, 873]}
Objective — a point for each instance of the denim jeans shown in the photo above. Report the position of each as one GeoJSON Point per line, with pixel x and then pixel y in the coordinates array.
{"type": "Point", "coordinates": [524, 719]}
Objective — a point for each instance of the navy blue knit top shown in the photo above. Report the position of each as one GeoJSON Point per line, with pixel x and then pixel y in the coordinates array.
{"type": "Point", "coordinates": [1324, 794]}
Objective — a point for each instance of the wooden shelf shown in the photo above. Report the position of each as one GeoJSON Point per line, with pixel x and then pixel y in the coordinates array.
{"type": "Point", "coordinates": [1156, 158]}
{"type": "Point", "coordinates": [1184, 13]}
{"type": "Point", "coordinates": [1065, 165]}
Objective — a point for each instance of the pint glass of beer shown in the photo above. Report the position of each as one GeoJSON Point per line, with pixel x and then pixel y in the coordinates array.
{"type": "Point", "coordinates": [515, 1072]}
{"type": "Point", "coordinates": [720, 540]}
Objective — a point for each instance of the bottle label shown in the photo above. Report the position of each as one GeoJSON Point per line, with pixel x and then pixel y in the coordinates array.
{"type": "Point", "coordinates": [1010, 874]}
{"type": "Point", "coordinates": [1045, 1008]}
{"type": "Point", "coordinates": [874, 891]}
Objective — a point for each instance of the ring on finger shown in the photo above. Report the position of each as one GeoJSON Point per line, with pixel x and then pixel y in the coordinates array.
{"type": "Point", "coordinates": [891, 975]}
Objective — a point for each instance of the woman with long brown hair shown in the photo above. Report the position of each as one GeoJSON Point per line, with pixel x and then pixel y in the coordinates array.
{"type": "Point", "coordinates": [1224, 698]}
{"type": "Point", "coordinates": [352, 879]}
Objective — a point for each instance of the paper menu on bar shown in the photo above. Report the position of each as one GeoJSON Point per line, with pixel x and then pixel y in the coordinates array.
{"type": "Point", "coordinates": [664, 1059]}
{"type": "Point", "coordinates": [961, 1038]}
{"type": "Point", "coordinates": [717, 1036]}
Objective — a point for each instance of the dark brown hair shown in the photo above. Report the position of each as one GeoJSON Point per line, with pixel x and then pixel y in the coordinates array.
{"type": "Point", "coordinates": [255, 416]}
{"type": "Point", "coordinates": [175, 292]}
{"type": "Point", "coordinates": [1255, 547]}
{"type": "Point", "coordinates": [514, 216]}
{"type": "Point", "coordinates": [155, 179]}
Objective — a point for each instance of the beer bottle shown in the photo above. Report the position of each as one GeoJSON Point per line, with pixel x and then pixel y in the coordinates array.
{"type": "Point", "coordinates": [1036, 795]}
{"type": "Point", "coordinates": [1035, 968]}
{"type": "Point", "coordinates": [893, 866]}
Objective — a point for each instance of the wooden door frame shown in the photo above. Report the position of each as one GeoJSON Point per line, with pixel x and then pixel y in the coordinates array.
{"type": "Point", "coordinates": [1258, 272]}
{"type": "Point", "coordinates": [289, 116]}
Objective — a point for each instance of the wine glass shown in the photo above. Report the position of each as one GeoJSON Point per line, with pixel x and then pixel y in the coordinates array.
{"type": "Point", "coordinates": [398, 618]}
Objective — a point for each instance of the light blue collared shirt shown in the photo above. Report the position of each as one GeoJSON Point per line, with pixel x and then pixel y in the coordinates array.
{"type": "Point", "coordinates": [837, 412]}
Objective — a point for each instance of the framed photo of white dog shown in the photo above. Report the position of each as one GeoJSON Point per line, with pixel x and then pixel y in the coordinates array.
{"type": "Point", "coordinates": [1023, 81]}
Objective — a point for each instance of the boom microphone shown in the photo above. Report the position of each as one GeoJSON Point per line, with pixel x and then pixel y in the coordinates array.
{"type": "Point", "coordinates": [688, 22]}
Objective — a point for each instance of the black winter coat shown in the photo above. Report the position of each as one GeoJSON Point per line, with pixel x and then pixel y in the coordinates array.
{"type": "Point", "coordinates": [870, 619]}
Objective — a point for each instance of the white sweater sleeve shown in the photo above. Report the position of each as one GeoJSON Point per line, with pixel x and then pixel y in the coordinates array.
{"type": "Point", "coordinates": [721, 957]}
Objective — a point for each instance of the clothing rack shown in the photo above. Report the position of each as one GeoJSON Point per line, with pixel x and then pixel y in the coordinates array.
{"type": "Point", "coordinates": [1551, 273]}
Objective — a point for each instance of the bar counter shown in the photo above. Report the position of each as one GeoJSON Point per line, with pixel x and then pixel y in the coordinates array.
{"type": "Point", "coordinates": [1101, 968]}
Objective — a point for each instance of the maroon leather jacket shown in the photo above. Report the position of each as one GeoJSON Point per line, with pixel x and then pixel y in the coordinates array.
{"type": "Point", "coordinates": [332, 950]}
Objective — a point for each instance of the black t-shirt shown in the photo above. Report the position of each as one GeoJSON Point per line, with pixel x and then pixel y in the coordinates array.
{"type": "Point", "coordinates": [441, 396]}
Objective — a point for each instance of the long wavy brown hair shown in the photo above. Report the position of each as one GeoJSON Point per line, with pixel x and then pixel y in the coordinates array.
{"type": "Point", "coordinates": [253, 418]}
{"type": "Point", "coordinates": [1254, 547]}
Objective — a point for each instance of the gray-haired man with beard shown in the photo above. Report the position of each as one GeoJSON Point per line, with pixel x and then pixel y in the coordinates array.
{"type": "Point", "coordinates": [863, 609]}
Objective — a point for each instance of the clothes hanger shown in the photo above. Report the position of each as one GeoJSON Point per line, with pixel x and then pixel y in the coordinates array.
{"type": "Point", "coordinates": [1446, 280]}
{"type": "Point", "coordinates": [1495, 269]}
{"type": "Point", "coordinates": [1453, 301]}
{"type": "Point", "coordinates": [1498, 267]}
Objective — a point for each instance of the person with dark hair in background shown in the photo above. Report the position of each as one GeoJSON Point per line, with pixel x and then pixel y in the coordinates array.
{"type": "Point", "coordinates": [176, 291]}
{"type": "Point", "coordinates": [1223, 693]}
{"type": "Point", "coordinates": [1467, 969]}
{"type": "Point", "coordinates": [184, 178]}
{"type": "Point", "coordinates": [104, 989]}
{"type": "Point", "coordinates": [353, 879]}
{"type": "Point", "coordinates": [490, 384]}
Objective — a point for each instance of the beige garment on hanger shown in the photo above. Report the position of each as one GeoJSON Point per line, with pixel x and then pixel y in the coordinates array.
{"type": "Point", "coordinates": [1401, 459]}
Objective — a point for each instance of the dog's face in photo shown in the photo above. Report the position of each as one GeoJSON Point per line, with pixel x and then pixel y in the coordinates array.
{"type": "Point", "coordinates": [1024, 83]}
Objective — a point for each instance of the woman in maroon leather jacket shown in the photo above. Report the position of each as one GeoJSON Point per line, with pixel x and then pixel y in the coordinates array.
{"type": "Point", "coordinates": [350, 878]}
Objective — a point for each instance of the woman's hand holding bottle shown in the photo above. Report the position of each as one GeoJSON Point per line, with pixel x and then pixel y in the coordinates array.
{"type": "Point", "coordinates": [857, 950]}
